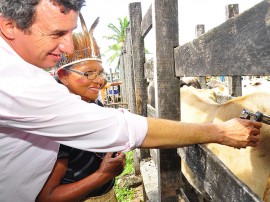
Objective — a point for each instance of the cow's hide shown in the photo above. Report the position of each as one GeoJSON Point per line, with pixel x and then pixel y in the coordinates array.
{"type": "Point", "coordinates": [250, 165]}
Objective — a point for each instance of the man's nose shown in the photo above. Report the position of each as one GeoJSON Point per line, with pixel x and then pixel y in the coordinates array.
{"type": "Point", "coordinates": [66, 45]}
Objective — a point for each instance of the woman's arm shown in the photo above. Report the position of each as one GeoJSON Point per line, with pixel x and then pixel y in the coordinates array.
{"type": "Point", "coordinates": [55, 192]}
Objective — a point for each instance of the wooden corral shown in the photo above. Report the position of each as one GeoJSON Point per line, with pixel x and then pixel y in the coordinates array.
{"type": "Point", "coordinates": [238, 47]}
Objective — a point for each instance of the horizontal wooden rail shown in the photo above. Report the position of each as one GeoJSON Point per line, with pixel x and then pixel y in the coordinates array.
{"type": "Point", "coordinates": [240, 46]}
{"type": "Point", "coordinates": [215, 178]}
{"type": "Point", "coordinates": [117, 104]}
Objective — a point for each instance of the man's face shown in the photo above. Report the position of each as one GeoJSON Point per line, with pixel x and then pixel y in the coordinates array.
{"type": "Point", "coordinates": [50, 36]}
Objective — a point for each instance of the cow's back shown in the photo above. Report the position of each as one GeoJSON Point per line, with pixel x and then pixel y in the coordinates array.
{"type": "Point", "coordinates": [250, 165]}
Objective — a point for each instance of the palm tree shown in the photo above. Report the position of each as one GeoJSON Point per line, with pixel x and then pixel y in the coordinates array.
{"type": "Point", "coordinates": [119, 37]}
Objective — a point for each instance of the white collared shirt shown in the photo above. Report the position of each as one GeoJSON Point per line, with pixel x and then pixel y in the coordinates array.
{"type": "Point", "coordinates": [36, 114]}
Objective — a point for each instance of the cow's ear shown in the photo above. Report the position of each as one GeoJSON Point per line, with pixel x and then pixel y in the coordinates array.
{"type": "Point", "coordinates": [7, 27]}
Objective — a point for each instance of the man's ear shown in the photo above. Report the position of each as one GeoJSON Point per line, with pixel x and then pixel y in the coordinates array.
{"type": "Point", "coordinates": [7, 27]}
{"type": "Point", "coordinates": [63, 75]}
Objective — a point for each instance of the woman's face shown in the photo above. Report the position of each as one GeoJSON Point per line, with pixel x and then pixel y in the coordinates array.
{"type": "Point", "coordinates": [79, 84]}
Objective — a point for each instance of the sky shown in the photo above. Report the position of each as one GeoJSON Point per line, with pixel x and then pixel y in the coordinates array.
{"type": "Point", "coordinates": [211, 13]}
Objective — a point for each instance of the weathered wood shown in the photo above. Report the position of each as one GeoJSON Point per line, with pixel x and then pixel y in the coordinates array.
{"type": "Point", "coordinates": [165, 27]}
{"type": "Point", "coordinates": [166, 31]}
{"type": "Point", "coordinates": [235, 86]}
{"type": "Point", "coordinates": [216, 179]}
{"type": "Point", "coordinates": [231, 11]}
{"type": "Point", "coordinates": [200, 30]}
{"type": "Point", "coordinates": [147, 22]}
{"type": "Point", "coordinates": [151, 111]}
{"type": "Point", "coordinates": [138, 59]}
{"type": "Point", "coordinates": [149, 70]}
{"type": "Point", "coordinates": [118, 105]}
{"type": "Point", "coordinates": [123, 76]}
{"type": "Point", "coordinates": [169, 175]}
{"type": "Point", "coordinates": [240, 46]}
{"type": "Point", "coordinates": [137, 48]}
{"type": "Point", "coordinates": [129, 73]}
{"type": "Point", "coordinates": [235, 82]}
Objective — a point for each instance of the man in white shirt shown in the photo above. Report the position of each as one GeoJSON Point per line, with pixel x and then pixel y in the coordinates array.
{"type": "Point", "coordinates": [36, 113]}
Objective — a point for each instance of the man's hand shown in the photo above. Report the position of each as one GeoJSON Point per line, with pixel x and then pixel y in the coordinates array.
{"type": "Point", "coordinates": [240, 133]}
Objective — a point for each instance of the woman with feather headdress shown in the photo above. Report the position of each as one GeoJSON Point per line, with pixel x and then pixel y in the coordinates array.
{"type": "Point", "coordinates": [81, 175]}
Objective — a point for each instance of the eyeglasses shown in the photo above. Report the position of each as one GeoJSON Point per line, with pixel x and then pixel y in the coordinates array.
{"type": "Point", "coordinates": [90, 75]}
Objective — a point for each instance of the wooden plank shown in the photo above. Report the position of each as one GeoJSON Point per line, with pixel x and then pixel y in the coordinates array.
{"type": "Point", "coordinates": [240, 46]}
{"type": "Point", "coordinates": [149, 69]}
{"type": "Point", "coordinates": [234, 82]}
{"type": "Point", "coordinates": [165, 27]}
{"type": "Point", "coordinates": [138, 59]}
{"type": "Point", "coordinates": [200, 30]}
{"type": "Point", "coordinates": [146, 25]}
{"type": "Point", "coordinates": [151, 111]}
{"type": "Point", "coordinates": [166, 31]}
{"type": "Point", "coordinates": [123, 77]}
{"type": "Point", "coordinates": [216, 179]}
{"type": "Point", "coordinates": [137, 48]}
{"type": "Point", "coordinates": [129, 74]}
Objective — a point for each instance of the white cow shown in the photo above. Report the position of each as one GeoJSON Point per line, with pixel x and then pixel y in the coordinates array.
{"type": "Point", "coordinates": [250, 165]}
{"type": "Point", "coordinates": [254, 85]}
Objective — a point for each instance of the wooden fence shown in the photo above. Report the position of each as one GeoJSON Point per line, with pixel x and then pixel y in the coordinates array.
{"type": "Point", "coordinates": [238, 47]}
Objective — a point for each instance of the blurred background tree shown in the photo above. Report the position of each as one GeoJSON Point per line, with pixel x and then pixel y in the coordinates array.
{"type": "Point", "coordinates": [118, 38]}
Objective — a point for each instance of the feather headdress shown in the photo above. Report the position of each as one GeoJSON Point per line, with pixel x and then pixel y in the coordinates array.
{"type": "Point", "coordinates": [85, 46]}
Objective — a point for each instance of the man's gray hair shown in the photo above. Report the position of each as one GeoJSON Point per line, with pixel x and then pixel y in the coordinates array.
{"type": "Point", "coordinates": [23, 11]}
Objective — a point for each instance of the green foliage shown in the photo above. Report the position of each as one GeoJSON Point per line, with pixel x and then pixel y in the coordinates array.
{"type": "Point", "coordinates": [124, 194]}
{"type": "Point", "coordinates": [129, 168]}
{"type": "Point", "coordinates": [118, 37]}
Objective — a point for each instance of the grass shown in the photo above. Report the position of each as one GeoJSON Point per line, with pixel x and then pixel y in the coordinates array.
{"type": "Point", "coordinates": [124, 194]}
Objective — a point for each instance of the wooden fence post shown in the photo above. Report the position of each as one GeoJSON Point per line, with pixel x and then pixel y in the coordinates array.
{"type": "Point", "coordinates": [234, 82]}
{"type": "Point", "coordinates": [137, 48]}
{"type": "Point", "coordinates": [124, 96]}
{"type": "Point", "coordinates": [198, 32]}
{"type": "Point", "coordinates": [167, 91]}
{"type": "Point", "coordinates": [129, 73]}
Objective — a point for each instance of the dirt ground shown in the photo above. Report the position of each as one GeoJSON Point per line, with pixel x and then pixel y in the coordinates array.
{"type": "Point", "coordinates": [138, 194]}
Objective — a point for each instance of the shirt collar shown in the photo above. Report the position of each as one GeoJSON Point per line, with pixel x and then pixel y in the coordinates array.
{"type": "Point", "coordinates": [6, 47]}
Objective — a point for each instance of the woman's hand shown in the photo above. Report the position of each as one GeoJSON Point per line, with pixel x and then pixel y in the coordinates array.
{"type": "Point", "coordinates": [113, 166]}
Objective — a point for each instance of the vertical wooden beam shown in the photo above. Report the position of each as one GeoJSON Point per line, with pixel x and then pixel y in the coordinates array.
{"type": "Point", "coordinates": [167, 93]}
{"type": "Point", "coordinates": [234, 82]}
{"type": "Point", "coordinates": [137, 48]}
{"type": "Point", "coordinates": [200, 31]}
{"type": "Point", "coordinates": [123, 76]}
{"type": "Point", "coordinates": [128, 62]}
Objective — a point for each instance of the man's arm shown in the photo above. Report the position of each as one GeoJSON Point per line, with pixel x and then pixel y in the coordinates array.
{"type": "Point", "coordinates": [238, 133]}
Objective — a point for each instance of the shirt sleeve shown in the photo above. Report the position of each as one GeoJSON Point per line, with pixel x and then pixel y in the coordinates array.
{"type": "Point", "coordinates": [39, 105]}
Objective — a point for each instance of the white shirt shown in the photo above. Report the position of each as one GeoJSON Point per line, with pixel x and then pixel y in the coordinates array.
{"type": "Point", "coordinates": [36, 114]}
